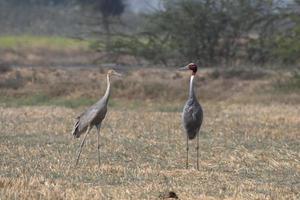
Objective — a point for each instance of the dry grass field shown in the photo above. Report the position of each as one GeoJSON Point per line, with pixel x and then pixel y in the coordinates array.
{"type": "Point", "coordinates": [250, 139]}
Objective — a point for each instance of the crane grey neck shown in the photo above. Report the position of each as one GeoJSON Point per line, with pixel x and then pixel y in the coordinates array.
{"type": "Point", "coordinates": [191, 91]}
{"type": "Point", "coordinates": [107, 93]}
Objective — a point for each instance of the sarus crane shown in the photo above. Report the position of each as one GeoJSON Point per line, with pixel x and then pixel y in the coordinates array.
{"type": "Point", "coordinates": [192, 115]}
{"type": "Point", "coordinates": [93, 116]}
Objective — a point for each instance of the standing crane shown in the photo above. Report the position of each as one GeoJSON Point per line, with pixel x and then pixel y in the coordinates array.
{"type": "Point", "coordinates": [93, 116]}
{"type": "Point", "coordinates": [192, 115]}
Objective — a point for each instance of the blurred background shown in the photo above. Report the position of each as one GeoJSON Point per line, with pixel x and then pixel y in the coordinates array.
{"type": "Point", "coordinates": [54, 56]}
{"type": "Point", "coordinates": [164, 32]}
{"type": "Point", "coordinates": [245, 39]}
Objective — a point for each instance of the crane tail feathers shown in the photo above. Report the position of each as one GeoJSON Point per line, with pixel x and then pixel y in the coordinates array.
{"type": "Point", "coordinates": [191, 133]}
{"type": "Point", "coordinates": [192, 136]}
{"type": "Point", "coordinates": [75, 131]}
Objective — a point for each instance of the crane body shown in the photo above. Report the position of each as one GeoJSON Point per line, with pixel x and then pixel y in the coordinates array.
{"type": "Point", "coordinates": [93, 116]}
{"type": "Point", "coordinates": [192, 115]}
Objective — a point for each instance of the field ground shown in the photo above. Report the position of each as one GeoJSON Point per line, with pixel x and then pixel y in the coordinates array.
{"type": "Point", "coordinates": [163, 89]}
{"type": "Point", "coordinates": [250, 139]}
{"type": "Point", "coordinates": [247, 152]}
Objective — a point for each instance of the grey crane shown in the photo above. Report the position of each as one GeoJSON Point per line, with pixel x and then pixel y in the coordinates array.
{"type": "Point", "coordinates": [93, 116]}
{"type": "Point", "coordinates": [192, 115]}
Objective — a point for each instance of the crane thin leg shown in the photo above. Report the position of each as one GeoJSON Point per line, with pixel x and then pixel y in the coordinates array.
{"type": "Point", "coordinates": [197, 151]}
{"type": "Point", "coordinates": [187, 152]}
{"type": "Point", "coordinates": [98, 143]}
{"type": "Point", "coordinates": [81, 145]}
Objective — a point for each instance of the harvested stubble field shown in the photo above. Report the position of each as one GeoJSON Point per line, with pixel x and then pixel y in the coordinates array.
{"type": "Point", "coordinates": [248, 151]}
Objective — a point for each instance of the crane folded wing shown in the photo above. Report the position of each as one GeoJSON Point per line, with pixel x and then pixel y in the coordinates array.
{"type": "Point", "coordinates": [82, 122]}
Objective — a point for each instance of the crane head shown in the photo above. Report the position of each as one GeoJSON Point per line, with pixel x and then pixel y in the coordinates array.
{"type": "Point", "coordinates": [113, 72]}
{"type": "Point", "coordinates": [192, 66]}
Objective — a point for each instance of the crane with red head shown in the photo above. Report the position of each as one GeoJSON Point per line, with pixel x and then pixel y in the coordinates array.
{"type": "Point", "coordinates": [192, 115]}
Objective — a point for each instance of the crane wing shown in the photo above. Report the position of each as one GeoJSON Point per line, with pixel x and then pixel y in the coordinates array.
{"type": "Point", "coordinates": [83, 121]}
{"type": "Point", "coordinates": [192, 117]}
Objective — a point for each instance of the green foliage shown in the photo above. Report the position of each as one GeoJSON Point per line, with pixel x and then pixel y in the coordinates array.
{"type": "Point", "coordinates": [97, 45]}
{"type": "Point", "coordinates": [190, 27]}
{"type": "Point", "coordinates": [36, 99]}
{"type": "Point", "coordinates": [146, 46]}
{"type": "Point", "coordinates": [209, 32]}
{"type": "Point", "coordinates": [287, 47]}
{"type": "Point", "coordinates": [71, 103]}
{"type": "Point", "coordinates": [43, 99]}
{"type": "Point", "coordinates": [259, 50]}
{"type": "Point", "coordinates": [29, 41]}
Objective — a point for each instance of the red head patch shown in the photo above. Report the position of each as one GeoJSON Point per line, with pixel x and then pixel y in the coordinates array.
{"type": "Point", "coordinates": [193, 67]}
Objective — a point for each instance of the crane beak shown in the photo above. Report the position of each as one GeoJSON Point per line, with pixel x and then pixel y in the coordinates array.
{"type": "Point", "coordinates": [183, 68]}
{"type": "Point", "coordinates": [117, 74]}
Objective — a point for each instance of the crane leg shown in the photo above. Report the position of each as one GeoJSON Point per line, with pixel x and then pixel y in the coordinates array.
{"type": "Point", "coordinates": [82, 143]}
{"type": "Point", "coordinates": [98, 142]}
{"type": "Point", "coordinates": [197, 151]}
{"type": "Point", "coordinates": [187, 152]}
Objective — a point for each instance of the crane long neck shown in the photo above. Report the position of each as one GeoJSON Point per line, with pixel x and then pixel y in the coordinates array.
{"type": "Point", "coordinates": [107, 93]}
{"type": "Point", "coordinates": [191, 91]}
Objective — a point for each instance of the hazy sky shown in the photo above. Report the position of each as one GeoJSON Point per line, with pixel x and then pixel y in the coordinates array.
{"type": "Point", "coordinates": [143, 5]}
{"type": "Point", "coordinates": [148, 5]}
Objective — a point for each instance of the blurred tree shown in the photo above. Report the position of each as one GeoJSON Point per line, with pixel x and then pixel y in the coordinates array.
{"type": "Point", "coordinates": [208, 31]}
{"type": "Point", "coordinates": [108, 9]}
{"type": "Point", "coordinates": [286, 45]}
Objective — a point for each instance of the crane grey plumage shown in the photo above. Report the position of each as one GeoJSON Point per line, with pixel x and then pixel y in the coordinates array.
{"type": "Point", "coordinates": [192, 115]}
{"type": "Point", "coordinates": [93, 116]}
